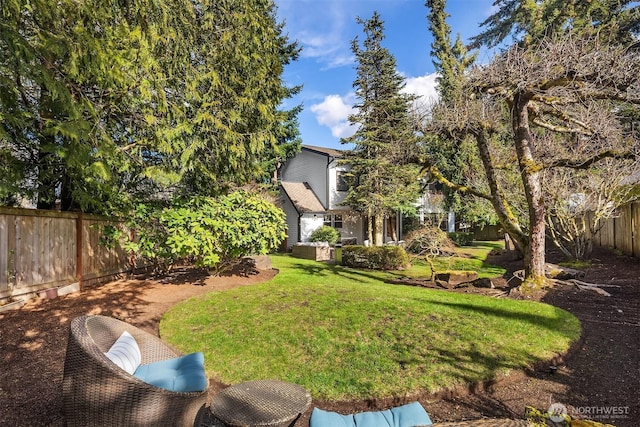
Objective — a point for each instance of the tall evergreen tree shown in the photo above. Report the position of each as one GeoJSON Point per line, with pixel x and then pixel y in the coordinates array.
{"type": "Point", "coordinates": [73, 78]}
{"type": "Point", "coordinates": [233, 93]}
{"type": "Point", "coordinates": [382, 180]}
{"type": "Point", "coordinates": [457, 158]}
{"type": "Point", "coordinates": [530, 21]}
{"type": "Point", "coordinates": [451, 60]}
{"type": "Point", "coordinates": [100, 101]}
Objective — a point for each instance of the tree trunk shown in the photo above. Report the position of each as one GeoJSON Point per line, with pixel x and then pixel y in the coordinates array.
{"type": "Point", "coordinates": [391, 226]}
{"type": "Point", "coordinates": [498, 200]}
{"type": "Point", "coordinates": [370, 228]}
{"type": "Point", "coordinates": [378, 232]}
{"type": "Point", "coordinates": [47, 172]}
{"type": "Point", "coordinates": [67, 202]}
{"type": "Point", "coordinates": [534, 250]}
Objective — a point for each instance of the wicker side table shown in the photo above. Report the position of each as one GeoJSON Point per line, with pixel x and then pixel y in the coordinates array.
{"type": "Point", "coordinates": [260, 403]}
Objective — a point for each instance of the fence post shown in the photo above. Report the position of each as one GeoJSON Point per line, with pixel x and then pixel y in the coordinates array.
{"type": "Point", "coordinates": [79, 249]}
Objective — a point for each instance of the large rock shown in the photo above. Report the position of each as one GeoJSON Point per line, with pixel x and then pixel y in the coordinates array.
{"type": "Point", "coordinates": [452, 279]}
{"type": "Point", "coordinates": [261, 262]}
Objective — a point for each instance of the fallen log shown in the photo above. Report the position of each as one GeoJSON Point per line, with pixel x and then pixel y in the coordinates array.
{"type": "Point", "coordinates": [567, 276]}
{"type": "Point", "coordinates": [584, 286]}
{"type": "Point", "coordinates": [554, 271]}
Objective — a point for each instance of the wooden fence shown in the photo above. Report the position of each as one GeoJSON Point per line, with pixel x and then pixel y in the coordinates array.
{"type": "Point", "coordinates": [622, 232]}
{"type": "Point", "coordinates": [47, 249]}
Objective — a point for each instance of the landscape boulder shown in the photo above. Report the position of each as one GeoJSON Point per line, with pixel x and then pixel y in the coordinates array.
{"type": "Point", "coordinates": [454, 278]}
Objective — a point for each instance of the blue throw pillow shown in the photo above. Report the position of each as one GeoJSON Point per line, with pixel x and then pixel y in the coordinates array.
{"type": "Point", "coordinates": [320, 418]}
{"type": "Point", "coordinates": [409, 415]}
{"type": "Point", "coordinates": [183, 374]}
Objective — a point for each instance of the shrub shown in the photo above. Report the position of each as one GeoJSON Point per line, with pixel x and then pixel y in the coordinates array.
{"type": "Point", "coordinates": [325, 234]}
{"type": "Point", "coordinates": [429, 241]}
{"type": "Point", "coordinates": [209, 232]}
{"type": "Point", "coordinates": [461, 239]}
{"type": "Point", "coordinates": [375, 257]}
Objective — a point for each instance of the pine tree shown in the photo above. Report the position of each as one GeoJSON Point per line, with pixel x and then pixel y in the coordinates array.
{"type": "Point", "coordinates": [383, 181]}
{"type": "Point", "coordinates": [455, 158]}
{"type": "Point", "coordinates": [450, 60]}
{"type": "Point", "coordinates": [74, 78]}
{"type": "Point", "coordinates": [530, 21]}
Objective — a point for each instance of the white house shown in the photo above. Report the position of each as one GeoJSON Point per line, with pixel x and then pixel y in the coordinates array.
{"type": "Point", "coordinates": [313, 190]}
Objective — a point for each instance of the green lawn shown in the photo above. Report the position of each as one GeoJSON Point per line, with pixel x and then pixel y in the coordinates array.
{"type": "Point", "coordinates": [344, 333]}
{"type": "Point", "coordinates": [467, 258]}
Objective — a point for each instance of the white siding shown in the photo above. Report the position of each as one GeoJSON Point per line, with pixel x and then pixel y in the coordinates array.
{"type": "Point", "coordinates": [336, 197]}
{"type": "Point", "coordinates": [310, 167]}
{"type": "Point", "coordinates": [308, 223]}
{"type": "Point", "coordinates": [292, 221]}
{"type": "Point", "coordinates": [319, 171]}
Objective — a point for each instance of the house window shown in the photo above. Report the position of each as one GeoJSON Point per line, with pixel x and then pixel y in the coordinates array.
{"type": "Point", "coordinates": [341, 181]}
{"type": "Point", "coordinates": [334, 221]}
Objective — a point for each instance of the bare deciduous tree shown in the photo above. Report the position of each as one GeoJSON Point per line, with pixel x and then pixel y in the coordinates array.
{"type": "Point", "coordinates": [538, 108]}
{"type": "Point", "coordinates": [578, 202]}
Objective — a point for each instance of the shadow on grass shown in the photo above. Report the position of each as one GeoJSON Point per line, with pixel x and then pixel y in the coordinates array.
{"type": "Point", "coordinates": [315, 269]}
{"type": "Point", "coordinates": [549, 323]}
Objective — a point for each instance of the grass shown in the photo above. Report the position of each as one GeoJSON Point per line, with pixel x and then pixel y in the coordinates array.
{"type": "Point", "coordinates": [346, 334]}
{"type": "Point", "coordinates": [467, 258]}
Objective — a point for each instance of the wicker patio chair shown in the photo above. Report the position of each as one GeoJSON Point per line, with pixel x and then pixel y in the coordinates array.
{"type": "Point", "coordinates": [98, 393]}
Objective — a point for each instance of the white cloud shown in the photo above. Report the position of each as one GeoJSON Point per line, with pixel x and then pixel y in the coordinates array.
{"type": "Point", "coordinates": [424, 87]}
{"type": "Point", "coordinates": [333, 112]}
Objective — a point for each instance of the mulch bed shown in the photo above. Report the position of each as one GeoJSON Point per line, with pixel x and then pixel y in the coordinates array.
{"type": "Point", "coordinates": [601, 373]}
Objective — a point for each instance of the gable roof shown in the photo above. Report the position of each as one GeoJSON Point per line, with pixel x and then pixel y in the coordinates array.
{"type": "Point", "coordinates": [302, 197]}
{"type": "Point", "coordinates": [332, 152]}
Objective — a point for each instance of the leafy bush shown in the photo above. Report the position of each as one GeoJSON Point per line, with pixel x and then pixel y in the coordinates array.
{"type": "Point", "coordinates": [325, 234]}
{"type": "Point", "coordinates": [209, 232]}
{"type": "Point", "coordinates": [461, 239]}
{"type": "Point", "coordinates": [375, 257]}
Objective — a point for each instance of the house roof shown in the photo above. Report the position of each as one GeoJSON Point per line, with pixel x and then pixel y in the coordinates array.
{"type": "Point", "coordinates": [302, 197]}
{"type": "Point", "coordinates": [324, 150]}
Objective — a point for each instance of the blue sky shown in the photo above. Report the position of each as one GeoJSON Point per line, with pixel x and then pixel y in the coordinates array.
{"type": "Point", "coordinates": [326, 67]}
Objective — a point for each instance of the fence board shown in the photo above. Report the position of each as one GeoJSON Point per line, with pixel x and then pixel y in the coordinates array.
{"type": "Point", "coordinates": [635, 224]}
{"type": "Point", "coordinates": [607, 234]}
{"type": "Point", "coordinates": [40, 249]}
{"type": "Point", "coordinates": [97, 258]}
{"type": "Point", "coordinates": [623, 230]}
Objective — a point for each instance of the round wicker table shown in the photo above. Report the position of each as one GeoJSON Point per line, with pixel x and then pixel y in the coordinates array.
{"type": "Point", "coordinates": [260, 403]}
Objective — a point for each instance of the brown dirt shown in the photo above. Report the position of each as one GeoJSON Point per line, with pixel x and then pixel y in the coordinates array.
{"type": "Point", "coordinates": [601, 374]}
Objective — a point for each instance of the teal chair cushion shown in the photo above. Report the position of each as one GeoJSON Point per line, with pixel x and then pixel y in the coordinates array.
{"type": "Point", "coordinates": [182, 374]}
{"type": "Point", "coordinates": [410, 415]}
